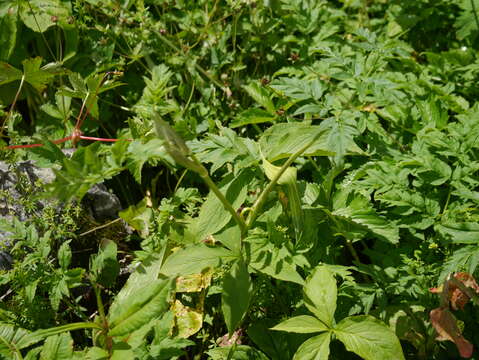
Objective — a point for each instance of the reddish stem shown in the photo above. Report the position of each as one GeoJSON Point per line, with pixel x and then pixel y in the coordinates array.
{"type": "Point", "coordinates": [100, 139]}
{"type": "Point", "coordinates": [59, 141]}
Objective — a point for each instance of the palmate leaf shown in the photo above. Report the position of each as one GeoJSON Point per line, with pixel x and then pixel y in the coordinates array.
{"type": "Point", "coordinates": [139, 153]}
{"type": "Point", "coordinates": [315, 348]}
{"type": "Point", "coordinates": [339, 132]}
{"type": "Point", "coordinates": [273, 261]}
{"type": "Point", "coordinates": [32, 73]}
{"type": "Point", "coordinates": [369, 338]}
{"type": "Point", "coordinates": [320, 295]}
{"type": "Point", "coordinates": [227, 147]}
{"type": "Point", "coordinates": [299, 89]}
{"type": "Point", "coordinates": [356, 209]}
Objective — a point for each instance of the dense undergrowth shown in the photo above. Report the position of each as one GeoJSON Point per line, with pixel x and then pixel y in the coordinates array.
{"type": "Point", "coordinates": [301, 177]}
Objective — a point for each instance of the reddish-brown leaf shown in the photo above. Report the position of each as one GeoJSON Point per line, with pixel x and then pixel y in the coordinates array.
{"type": "Point", "coordinates": [446, 326]}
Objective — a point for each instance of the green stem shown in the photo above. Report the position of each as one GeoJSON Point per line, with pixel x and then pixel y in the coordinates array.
{"type": "Point", "coordinates": [262, 197]}
{"type": "Point", "coordinates": [101, 308]}
{"type": "Point", "coordinates": [206, 178]}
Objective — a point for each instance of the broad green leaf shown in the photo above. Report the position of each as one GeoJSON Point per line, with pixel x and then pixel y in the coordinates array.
{"type": "Point", "coordinates": [338, 135]}
{"type": "Point", "coordinates": [320, 295]}
{"type": "Point", "coordinates": [369, 338]}
{"type": "Point", "coordinates": [213, 216]}
{"type": "Point", "coordinates": [261, 96]}
{"type": "Point", "coordinates": [58, 347]}
{"type": "Point", "coordinates": [40, 77]}
{"type": "Point", "coordinates": [432, 113]}
{"type": "Point", "coordinates": [64, 255]}
{"type": "Point", "coordinates": [315, 348]}
{"type": "Point", "coordinates": [97, 353]}
{"type": "Point", "coordinates": [140, 307]}
{"type": "Point", "coordinates": [460, 233]}
{"type": "Point", "coordinates": [145, 273]}
{"type": "Point", "coordinates": [120, 351]}
{"type": "Point", "coordinates": [302, 324]}
{"type": "Point", "coordinates": [241, 352]}
{"type": "Point", "coordinates": [358, 210]}
{"type": "Point", "coordinates": [282, 140]}
{"type": "Point", "coordinates": [194, 259]}
{"type": "Point", "coordinates": [236, 295]}
{"type": "Point", "coordinates": [277, 345]}
{"type": "Point", "coordinates": [139, 217]}
{"type": "Point", "coordinates": [253, 116]}
{"type": "Point", "coordinates": [34, 353]}
{"type": "Point", "coordinates": [104, 266]}
{"type": "Point", "coordinates": [268, 259]}
{"type": "Point", "coordinates": [39, 15]}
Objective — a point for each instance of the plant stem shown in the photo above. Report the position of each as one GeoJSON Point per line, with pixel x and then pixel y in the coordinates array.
{"type": "Point", "coordinates": [262, 197]}
{"type": "Point", "coordinates": [206, 178]}
{"type": "Point", "coordinates": [101, 308]}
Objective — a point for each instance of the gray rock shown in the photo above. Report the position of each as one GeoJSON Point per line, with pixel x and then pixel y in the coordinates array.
{"type": "Point", "coordinates": [21, 180]}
